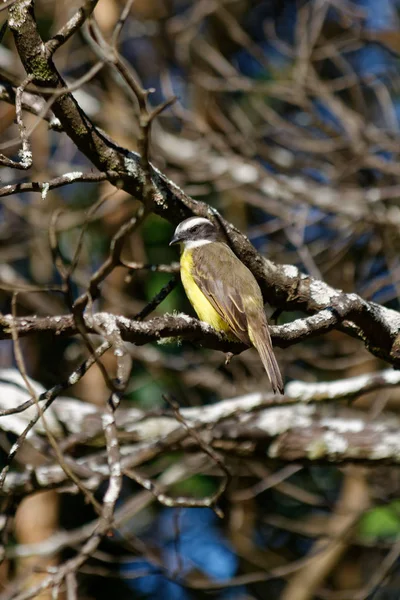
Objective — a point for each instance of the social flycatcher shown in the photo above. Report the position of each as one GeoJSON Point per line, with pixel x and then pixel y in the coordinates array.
{"type": "Point", "coordinates": [223, 292]}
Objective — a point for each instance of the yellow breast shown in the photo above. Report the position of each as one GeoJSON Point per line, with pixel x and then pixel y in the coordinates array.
{"type": "Point", "coordinates": [204, 309]}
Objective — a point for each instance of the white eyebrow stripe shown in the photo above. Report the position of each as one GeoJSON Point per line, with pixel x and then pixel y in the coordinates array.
{"type": "Point", "coordinates": [192, 223]}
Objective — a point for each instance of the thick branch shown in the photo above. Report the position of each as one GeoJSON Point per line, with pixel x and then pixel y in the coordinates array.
{"type": "Point", "coordinates": [247, 424]}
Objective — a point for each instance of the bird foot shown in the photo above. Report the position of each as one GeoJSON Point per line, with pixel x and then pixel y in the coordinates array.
{"type": "Point", "coordinates": [228, 357]}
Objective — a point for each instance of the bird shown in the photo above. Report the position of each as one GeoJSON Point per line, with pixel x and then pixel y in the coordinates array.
{"type": "Point", "coordinates": [223, 291]}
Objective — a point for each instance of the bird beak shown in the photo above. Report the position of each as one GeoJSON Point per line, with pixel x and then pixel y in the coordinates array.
{"type": "Point", "coordinates": [175, 239]}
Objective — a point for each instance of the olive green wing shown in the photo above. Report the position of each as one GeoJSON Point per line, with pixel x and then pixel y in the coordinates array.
{"type": "Point", "coordinates": [228, 285]}
{"type": "Point", "coordinates": [234, 293]}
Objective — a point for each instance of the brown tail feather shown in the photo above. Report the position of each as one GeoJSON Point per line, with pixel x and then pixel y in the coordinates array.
{"type": "Point", "coordinates": [262, 342]}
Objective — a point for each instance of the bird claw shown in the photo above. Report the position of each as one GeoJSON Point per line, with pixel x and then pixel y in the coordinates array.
{"type": "Point", "coordinates": [228, 357]}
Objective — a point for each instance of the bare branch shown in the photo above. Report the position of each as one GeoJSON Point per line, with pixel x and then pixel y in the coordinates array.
{"type": "Point", "coordinates": [45, 186]}
{"type": "Point", "coordinates": [71, 27]}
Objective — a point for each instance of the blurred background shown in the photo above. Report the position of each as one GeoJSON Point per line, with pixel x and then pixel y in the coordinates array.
{"type": "Point", "coordinates": [287, 121]}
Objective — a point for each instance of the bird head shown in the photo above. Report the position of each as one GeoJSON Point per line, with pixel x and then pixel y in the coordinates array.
{"type": "Point", "coordinates": [195, 231]}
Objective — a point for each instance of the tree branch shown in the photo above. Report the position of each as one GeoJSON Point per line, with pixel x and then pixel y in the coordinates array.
{"type": "Point", "coordinates": [180, 326]}
{"type": "Point", "coordinates": [169, 326]}
{"type": "Point", "coordinates": [284, 286]}
{"type": "Point", "coordinates": [299, 426]}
